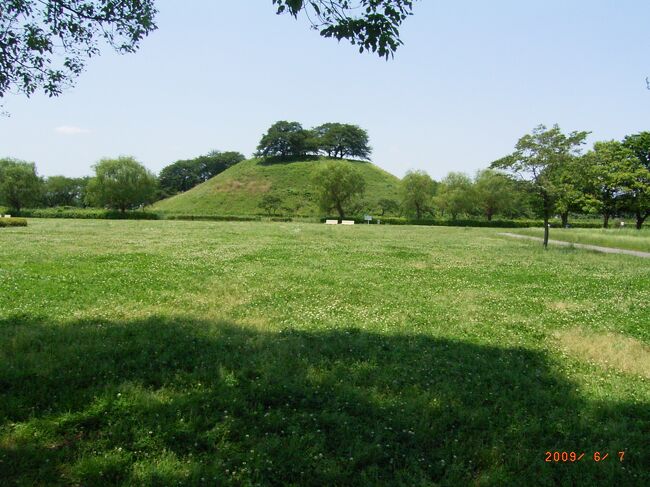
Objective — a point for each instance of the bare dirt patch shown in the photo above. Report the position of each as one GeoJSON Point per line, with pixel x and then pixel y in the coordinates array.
{"type": "Point", "coordinates": [563, 306]}
{"type": "Point", "coordinates": [253, 186]}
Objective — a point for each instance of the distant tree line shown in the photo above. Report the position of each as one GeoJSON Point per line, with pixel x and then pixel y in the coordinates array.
{"type": "Point", "coordinates": [183, 175]}
{"type": "Point", "coordinates": [336, 140]}
{"type": "Point", "coordinates": [120, 184]}
{"type": "Point", "coordinates": [547, 175]}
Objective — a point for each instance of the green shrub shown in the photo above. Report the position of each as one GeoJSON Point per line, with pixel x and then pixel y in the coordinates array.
{"type": "Point", "coordinates": [214, 218]}
{"type": "Point", "coordinates": [13, 222]}
{"type": "Point", "coordinates": [94, 213]}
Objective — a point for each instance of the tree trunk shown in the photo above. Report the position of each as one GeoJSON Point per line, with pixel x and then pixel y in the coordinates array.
{"type": "Point", "coordinates": [640, 219]}
{"type": "Point", "coordinates": [339, 208]}
{"type": "Point", "coordinates": [489, 214]}
{"type": "Point", "coordinates": [565, 219]}
{"type": "Point", "coordinates": [546, 200]}
{"type": "Point", "coordinates": [545, 230]}
{"type": "Point", "coordinates": [418, 211]}
{"type": "Point", "coordinates": [605, 220]}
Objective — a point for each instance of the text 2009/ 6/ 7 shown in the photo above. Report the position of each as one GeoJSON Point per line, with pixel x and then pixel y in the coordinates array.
{"type": "Point", "coordinates": [572, 456]}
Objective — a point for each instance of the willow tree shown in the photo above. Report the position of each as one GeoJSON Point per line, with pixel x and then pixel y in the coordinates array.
{"type": "Point", "coordinates": [338, 184]}
{"type": "Point", "coordinates": [417, 190]}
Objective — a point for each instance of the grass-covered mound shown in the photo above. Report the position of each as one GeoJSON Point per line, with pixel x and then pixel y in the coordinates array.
{"type": "Point", "coordinates": [240, 189]}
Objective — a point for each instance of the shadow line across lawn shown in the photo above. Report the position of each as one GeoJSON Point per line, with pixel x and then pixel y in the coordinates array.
{"type": "Point", "coordinates": [166, 401]}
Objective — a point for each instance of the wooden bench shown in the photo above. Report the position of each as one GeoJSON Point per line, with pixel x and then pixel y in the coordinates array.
{"type": "Point", "coordinates": [331, 222]}
{"type": "Point", "coordinates": [347, 222]}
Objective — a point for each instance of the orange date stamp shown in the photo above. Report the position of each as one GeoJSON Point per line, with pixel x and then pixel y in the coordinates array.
{"type": "Point", "coordinates": [572, 456]}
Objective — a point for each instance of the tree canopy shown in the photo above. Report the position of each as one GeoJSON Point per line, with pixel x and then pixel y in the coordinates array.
{"type": "Point", "coordinates": [45, 44]}
{"type": "Point", "coordinates": [638, 195]}
{"type": "Point", "coordinates": [271, 203]}
{"type": "Point", "coordinates": [121, 184]}
{"type": "Point", "coordinates": [607, 171]}
{"type": "Point", "coordinates": [20, 186]}
{"type": "Point", "coordinates": [373, 25]}
{"type": "Point", "coordinates": [456, 195]}
{"type": "Point", "coordinates": [493, 192]}
{"type": "Point", "coordinates": [342, 140]}
{"type": "Point", "coordinates": [536, 159]}
{"type": "Point", "coordinates": [64, 191]}
{"type": "Point", "coordinates": [285, 139]}
{"type": "Point", "coordinates": [183, 175]}
{"type": "Point", "coordinates": [338, 184]}
{"type": "Point", "coordinates": [338, 140]}
{"type": "Point", "coordinates": [417, 190]}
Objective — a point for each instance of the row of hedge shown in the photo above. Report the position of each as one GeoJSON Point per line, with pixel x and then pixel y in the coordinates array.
{"type": "Point", "coordinates": [13, 222]}
{"type": "Point", "coordinates": [92, 213]}
{"type": "Point", "coordinates": [228, 218]}
{"type": "Point", "coordinates": [471, 223]}
{"type": "Point", "coordinates": [213, 218]}
{"type": "Point", "coordinates": [102, 214]}
{"type": "Point", "coordinates": [98, 213]}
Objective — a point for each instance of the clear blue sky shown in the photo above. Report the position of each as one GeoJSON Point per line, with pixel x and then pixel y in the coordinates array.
{"type": "Point", "coordinates": [471, 78]}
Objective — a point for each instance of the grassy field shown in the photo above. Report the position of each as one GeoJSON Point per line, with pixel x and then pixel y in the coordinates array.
{"type": "Point", "coordinates": [627, 238]}
{"type": "Point", "coordinates": [202, 353]}
{"type": "Point", "coordinates": [239, 189]}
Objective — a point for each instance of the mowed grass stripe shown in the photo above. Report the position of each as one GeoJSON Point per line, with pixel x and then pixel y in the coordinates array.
{"type": "Point", "coordinates": [622, 238]}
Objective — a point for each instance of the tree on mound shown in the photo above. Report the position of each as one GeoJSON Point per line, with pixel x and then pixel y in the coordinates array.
{"type": "Point", "coordinates": [286, 139]}
{"type": "Point", "coordinates": [121, 184]}
{"type": "Point", "coordinates": [339, 184]}
{"type": "Point", "coordinates": [343, 140]}
{"type": "Point", "coordinates": [270, 203]}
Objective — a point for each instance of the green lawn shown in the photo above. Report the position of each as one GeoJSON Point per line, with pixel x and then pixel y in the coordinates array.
{"type": "Point", "coordinates": [202, 353]}
{"type": "Point", "coordinates": [626, 238]}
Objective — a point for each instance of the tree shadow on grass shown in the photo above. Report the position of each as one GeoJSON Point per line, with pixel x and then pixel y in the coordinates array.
{"type": "Point", "coordinates": [165, 402]}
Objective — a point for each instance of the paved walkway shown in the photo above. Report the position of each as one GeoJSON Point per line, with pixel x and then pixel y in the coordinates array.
{"type": "Point", "coordinates": [606, 250]}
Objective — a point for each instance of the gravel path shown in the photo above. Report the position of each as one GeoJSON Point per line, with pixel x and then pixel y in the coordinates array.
{"type": "Point", "coordinates": [606, 250]}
